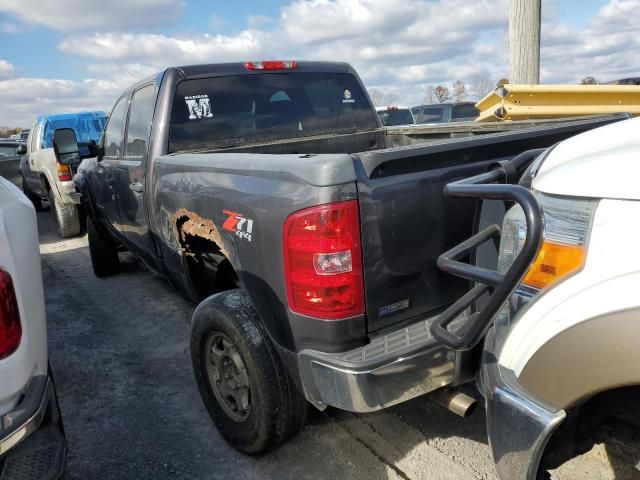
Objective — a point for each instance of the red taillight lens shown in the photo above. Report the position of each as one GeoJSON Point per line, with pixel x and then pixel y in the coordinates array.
{"type": "Point", "coordinates": [271, 65]}
{"type": "Point", "coordinates": [322, 261]}
{"type": "Point", "coordinates": [10, 328]}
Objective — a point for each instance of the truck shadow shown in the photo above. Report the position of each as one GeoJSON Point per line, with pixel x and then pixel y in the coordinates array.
{"type": "Point", "coordinates": [120, 350]}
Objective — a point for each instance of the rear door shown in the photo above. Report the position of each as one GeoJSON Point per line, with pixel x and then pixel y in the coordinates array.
{"type": "Point", "coordinates": [103, 184]}
{"type": "Point", "coordinates": [131, 186]}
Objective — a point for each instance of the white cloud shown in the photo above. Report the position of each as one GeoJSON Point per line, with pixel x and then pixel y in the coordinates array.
{"type": "Point", "coordinates": [24, 99]}
{"type": "Point", "coordinates": [608, 48]}
{"type": "Point", "coordinates": [10, 27]}
{"type": "Point", "coordinates": [94, 14]}
{"type": "Point", "coordinates": [6, 69]}
{"type": "Point", "coordinates": [399, 46]}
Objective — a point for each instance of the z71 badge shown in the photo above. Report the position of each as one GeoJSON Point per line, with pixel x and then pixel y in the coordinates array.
{"type": "Point", "coordinates": [238, 224]}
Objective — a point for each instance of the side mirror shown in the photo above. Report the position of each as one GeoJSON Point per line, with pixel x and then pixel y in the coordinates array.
{"type": "Point", "coordinates": [65, 146]}
{"type": "Point", "coordinates": [21, 150]}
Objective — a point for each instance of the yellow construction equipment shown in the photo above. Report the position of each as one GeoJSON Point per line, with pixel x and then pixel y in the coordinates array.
{"type": "Point", "coordinates": [521, 102]}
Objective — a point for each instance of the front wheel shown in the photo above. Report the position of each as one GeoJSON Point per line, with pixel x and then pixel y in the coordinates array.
{"type": "Point", "coordinates": [103, 252]}
{"type": "Point", "coordinates": [67, 217]}
{"type": "Point", "coordinates": [243, 383]}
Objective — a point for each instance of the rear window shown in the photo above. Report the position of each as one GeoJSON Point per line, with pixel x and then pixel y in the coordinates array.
{"type": "Point", "coordinates": [234, 110]}
{"type": "Point", "coordinates": [395, 117]}
{"type": "Point", "coordinates": [433, 114]}
{"type": "Point", "coordinates": [464, 111]}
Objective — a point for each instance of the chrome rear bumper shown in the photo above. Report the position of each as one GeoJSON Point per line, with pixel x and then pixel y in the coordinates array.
{"type": "Point", "coordinates": [15, 426]}
{"type": "Point", "coordinates": [391, 369]}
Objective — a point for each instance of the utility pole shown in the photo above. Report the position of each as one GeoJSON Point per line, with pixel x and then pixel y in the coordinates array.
{"type": "Point", "coordinates": [524, 41]}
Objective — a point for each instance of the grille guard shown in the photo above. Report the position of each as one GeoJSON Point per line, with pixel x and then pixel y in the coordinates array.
{"type": "Point", "coordinates": [498, 286]}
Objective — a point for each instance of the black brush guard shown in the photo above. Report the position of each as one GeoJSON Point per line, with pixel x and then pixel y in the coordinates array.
{"type": "Point", "coordinates": [498, 286]}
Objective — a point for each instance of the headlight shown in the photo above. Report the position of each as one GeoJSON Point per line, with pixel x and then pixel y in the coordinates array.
{"type": "Point", "coordinates": [566, 228]}
{"type": "Point", "coordinates": [567, 223]}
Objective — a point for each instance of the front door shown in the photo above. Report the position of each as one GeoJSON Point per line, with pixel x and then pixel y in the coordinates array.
{"type": "Point", "coordinates": [107, 171]}
{"type": "Point", "coordinates": [131, 182]}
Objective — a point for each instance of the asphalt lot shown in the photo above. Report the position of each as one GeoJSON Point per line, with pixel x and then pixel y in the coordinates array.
{"type": "Point", "coordinates": [119, 352]}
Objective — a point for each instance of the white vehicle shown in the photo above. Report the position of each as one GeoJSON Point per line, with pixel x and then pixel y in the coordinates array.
{"type": "Point", "coordinates": [47, 177]}
{"type": "Point", "coordinates": [32, 443]}
{"type": "Point", "coordinates": [395, 115]}
{"type": "Point", "coordinates": [561, 354]}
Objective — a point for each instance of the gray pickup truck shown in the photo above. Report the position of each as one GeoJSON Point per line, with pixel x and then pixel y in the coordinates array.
{"type": "Point", "coordinates": [267, 192]}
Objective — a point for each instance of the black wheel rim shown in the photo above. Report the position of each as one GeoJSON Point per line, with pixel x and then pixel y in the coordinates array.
{"type": "Point", "coordinates": [228, 376]}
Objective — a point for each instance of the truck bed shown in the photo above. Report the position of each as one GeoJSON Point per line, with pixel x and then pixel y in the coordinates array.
{"type": "Point", "coordinates": [406, 222]}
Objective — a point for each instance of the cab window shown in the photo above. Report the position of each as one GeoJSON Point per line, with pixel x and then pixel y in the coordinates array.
{"type": "Point", "coordinates": [113, 132]}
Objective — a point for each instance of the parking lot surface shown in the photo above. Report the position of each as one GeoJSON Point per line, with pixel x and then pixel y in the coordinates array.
{"type": "Point", "coordinates": [119, 349]}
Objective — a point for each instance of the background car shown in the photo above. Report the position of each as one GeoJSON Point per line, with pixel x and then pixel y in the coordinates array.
{"type": "Point", "coordinates": [46, 178]}
{"type": "Point", "coordinates": [445, 112]}
{"type": "Point", "coordinates": [395, 115]}
{"type": "Point", "coordinates": [10, 153]}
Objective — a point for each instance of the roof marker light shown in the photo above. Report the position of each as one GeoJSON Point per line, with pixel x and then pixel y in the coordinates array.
{"type": "Point", "coordinates": [271, 65]}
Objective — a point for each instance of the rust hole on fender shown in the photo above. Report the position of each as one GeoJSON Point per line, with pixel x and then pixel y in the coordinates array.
{"type": "Point", "coordinates": [190, 224]}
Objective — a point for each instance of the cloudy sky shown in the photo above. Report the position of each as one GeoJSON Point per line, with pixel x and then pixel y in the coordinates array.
{"type": "Point", "coordinates": [69, 55]}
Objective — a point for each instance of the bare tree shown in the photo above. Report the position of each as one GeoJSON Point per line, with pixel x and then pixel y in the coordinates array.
{"type": "Point", "coordinates": [442, 93]}
{"type": "Point", "coordinates": [459, 90]}
{"type": "Point", "coordinates": [428, 95]}
{"type": "Point", "coordinates": [377, 96]}
{"type": "Point", "coordinates": [392, 98]}
{"type": "Point", "coordinates": [589, 80]}
{"type": "Point", "coordinates": [481, 86]}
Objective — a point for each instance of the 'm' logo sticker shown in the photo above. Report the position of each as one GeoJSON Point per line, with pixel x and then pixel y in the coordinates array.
{"type": "Point", "coordinates": [199, 106]}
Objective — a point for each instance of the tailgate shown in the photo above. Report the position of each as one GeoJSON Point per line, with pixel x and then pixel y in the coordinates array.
{"type": "Point", "coordinates": [407, 222]}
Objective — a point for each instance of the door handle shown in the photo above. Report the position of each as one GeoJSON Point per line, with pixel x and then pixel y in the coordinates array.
{"type": "Point", "coordinates": [136, 187]}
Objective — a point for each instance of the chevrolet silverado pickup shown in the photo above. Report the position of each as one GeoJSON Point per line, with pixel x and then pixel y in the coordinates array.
{"type": "Point", "coordinates": [267, 192]}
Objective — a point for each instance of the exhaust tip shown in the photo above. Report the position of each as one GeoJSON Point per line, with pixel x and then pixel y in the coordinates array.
{"type": "Point", "coordinates": [457, 402]}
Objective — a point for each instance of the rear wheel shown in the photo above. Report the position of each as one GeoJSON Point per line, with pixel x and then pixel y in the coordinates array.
{"type": "Point", "coordinates": [244, 385]}
{"type": "Point", "coordinates": [103, 252]}
{"type": "Point", "coordinates": [35, 199]}
{"type": "Point", "coordinates": [67, 217]}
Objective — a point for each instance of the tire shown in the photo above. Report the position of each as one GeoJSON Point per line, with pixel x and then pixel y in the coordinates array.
{"type": "Point", "coordinates": [103, 252]}
{"type": "Point", "coordinates": [66, 216]}
{"type": "Point", "coordinates": [274, 410]}
{"type": "Point", "coordinates": [35, 199]}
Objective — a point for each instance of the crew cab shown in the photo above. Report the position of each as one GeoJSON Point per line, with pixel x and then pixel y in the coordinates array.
{"type": "Point", "coordinates": [266, 192]}
{"type": "Point", "coordinates": [32, 442]}
{"type": "Point", "coordinates": [46, 179]}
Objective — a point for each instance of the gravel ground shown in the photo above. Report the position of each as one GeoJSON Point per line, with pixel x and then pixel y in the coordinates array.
{"type": "Point", "coordinates": [119, 351]}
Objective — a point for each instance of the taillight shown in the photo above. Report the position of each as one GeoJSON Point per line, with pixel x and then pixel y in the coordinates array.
{"type": "Point", "coordinates": [64, 172]}
{"type": "Point", "coordinates": [271, 65]}
{"type": "Point", "coordinates": [322, 261]}
{"type": "Point", "coordinates": [10, 328]}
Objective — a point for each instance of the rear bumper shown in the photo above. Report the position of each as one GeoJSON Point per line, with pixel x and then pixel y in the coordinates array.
{"type": "Point", "coordinates": [27, 417]}
{"type": "Point", "coordinates": [518, 427]}
{"type": "Point", "coordinates": [391, 369]}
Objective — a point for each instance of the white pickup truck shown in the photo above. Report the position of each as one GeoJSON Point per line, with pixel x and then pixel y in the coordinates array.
{"type": "Point", "coordinates": [32, 443]}
{"type": "Point", "coordinates": [560, 315]}
{"type": "Point", "coordinates": [46, 178]}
